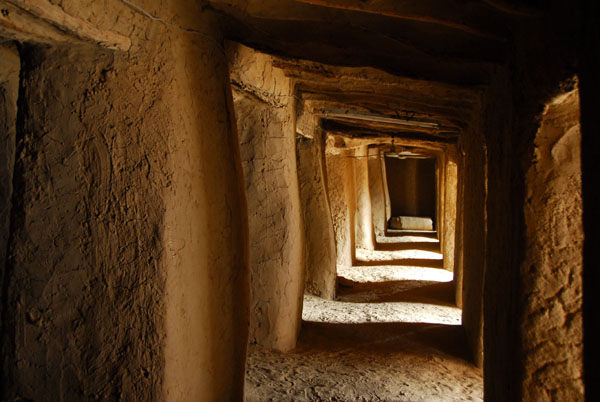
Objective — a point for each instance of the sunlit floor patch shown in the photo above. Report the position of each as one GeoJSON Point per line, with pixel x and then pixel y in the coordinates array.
{"type": "Point", "coordinates": [407, 239]}
{"type": "Point", "coordinates": [385, 273]}
{"type": "Point", "coordinates": [376, 255]}
{"type": "Point", "coordinates": [335, 312]}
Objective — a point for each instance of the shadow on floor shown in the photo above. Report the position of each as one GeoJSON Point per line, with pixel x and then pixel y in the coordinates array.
{"type": "Point", "coordinates": [385, 338]}
{"type": "Point", "coordinates": [412, 291]}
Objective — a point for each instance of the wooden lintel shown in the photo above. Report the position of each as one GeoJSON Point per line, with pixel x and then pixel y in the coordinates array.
{"type": "Point", "coordinates": [19, 25]}
{"type": "Point", "coordinates": [339, 141]}
{"type": "Point", "coordinates": [56, 17]}
{"type": "Point", "coordinates": [413, 137]}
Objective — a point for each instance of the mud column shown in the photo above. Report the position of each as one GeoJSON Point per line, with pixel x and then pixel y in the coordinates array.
{"type": "Point", "coordinates": [450, 208]}
{"type": "Point", "coordinates": [340, 185]}
{"type": "Point", "coordinates": [205, 227]}
{"type": "Point", "coordinates": [128, 189]}
{"type": "Point", "coordinates": [318, 227]}
{"type": "Point", "coordinates": [265, 112]}
{"type": "Point", "coordinates": [552, 270]}
{"type": "Point", "coordinates": [365, 237]}
{"type": "Point", "coordinates": [386, 191]}
{"type": "Point", "coordinates": [376, 188]}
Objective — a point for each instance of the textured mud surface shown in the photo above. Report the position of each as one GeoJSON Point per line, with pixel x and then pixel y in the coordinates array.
{"type": "Point", "coordinates": [392, 335]}
{"type": "Point", "coordinates": [552, 270]}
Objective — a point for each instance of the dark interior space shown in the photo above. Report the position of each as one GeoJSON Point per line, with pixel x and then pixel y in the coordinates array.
{"type": "Point", "coordinates": [412, 186]}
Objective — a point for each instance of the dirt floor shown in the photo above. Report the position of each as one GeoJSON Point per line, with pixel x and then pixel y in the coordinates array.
{"type": "Point", "coordinates": [392, 334]}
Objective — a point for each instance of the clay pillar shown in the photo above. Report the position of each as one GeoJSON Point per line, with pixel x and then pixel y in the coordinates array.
{"type": "Point", "coordinates": [459, 236]}
{"type": "Point", "coordinates": [365, 236]}
{"type": "Point", "coordinates": [128, 271]}
{"type": "Point", "coordinates": [318, 227]}
{"type": "Point", "coordinates": [474, 238]}
{"type": "Point", "coordinates": [377, 191]}
{"type": "Point", "coordinates": [440, 199]}
{"type": "Point", "coordinates": [449, 210]}
{"type": "Point", "coordinates": [551, 272]}
{"type": "Point", "coordinates": [340, 185]}
{"type": "Point", "coordinates": [265, 113]}
{"type": "Point", "coordinates": [386, 191]}
{"type": "Point", "coordinates": [205, 233]}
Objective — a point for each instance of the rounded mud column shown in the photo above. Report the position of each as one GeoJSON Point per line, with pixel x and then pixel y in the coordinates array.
{"type": "Point", "coordinates": [318, 227]}
{"type": "Point", "coordinates": [377, 191]}
{"type": "Point", "coordinates": [266, 118]}
{"type": "Point", "coordinates": [365, 237]}
{"type": "Point", "coordinates": [206, 256]}
{"type": "Point", "coordinates": [342, 199]}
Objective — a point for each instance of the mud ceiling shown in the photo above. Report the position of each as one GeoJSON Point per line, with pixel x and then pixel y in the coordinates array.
{"type": "Point", "coordinates": [423, 61]}
{"type": "Point", "coordinates": [418, 61]}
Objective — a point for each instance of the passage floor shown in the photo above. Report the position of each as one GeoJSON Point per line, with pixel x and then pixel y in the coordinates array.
{"type": "Point", "coordinates": [393, 334]}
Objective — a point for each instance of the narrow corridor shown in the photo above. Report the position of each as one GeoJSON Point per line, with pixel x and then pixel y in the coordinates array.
{"type": "Point", "coordinates": [193, 196]}
{"type": "Point", "coordinates": [393, 334]}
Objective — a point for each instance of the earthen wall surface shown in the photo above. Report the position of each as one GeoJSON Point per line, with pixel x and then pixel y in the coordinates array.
{"type": "Point", "coordinates": [552, 270]}
{"type": "Point", "coordinates": [83, 251]}
{"type": "Point", "coordinates": [589, 88]}
{"type": "Point", "coordinates": [541, 64]}
{"type": "Point", "coordinates": [126, 279]}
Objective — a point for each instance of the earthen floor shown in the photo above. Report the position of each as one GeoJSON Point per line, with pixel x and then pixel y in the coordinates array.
{"type": "Point", "coordinates": [392, 334]}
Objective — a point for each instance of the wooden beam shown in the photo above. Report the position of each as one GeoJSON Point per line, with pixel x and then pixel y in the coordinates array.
{"type": "Point", "coordinates": [426, 107]}
{"type": "Point", "coordinates": [337, 142]}
{"type": "Point", "coordinates": [360, 132]}
{"type": "Point", "coordinates": [376, 117]}
{"type": "Point", "coordinates": [21, 26]}
{"type": "Point", "coordinates": [59, 19]}
{"type": "Point", "coordinates": [450, 14]}
{"type": "Point", "coordinates": [446, 124]}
